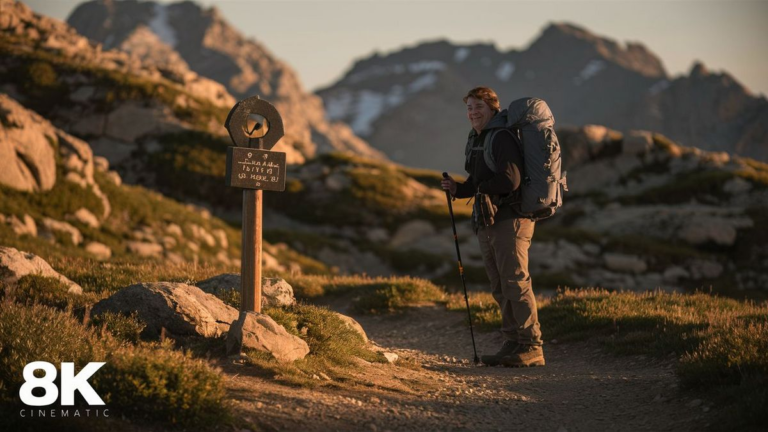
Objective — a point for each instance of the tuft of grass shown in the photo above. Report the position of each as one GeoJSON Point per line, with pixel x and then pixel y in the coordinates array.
{"type": "Point", "coordinates": [125, 328]}
{"type": "Point", "coordinates": [371, 295]}
{"type": "Point", "coordinates": [332, 344]}
{"type": "Point", "coordinates": [391, 297]}
{"type": "Point", "coordinates": [144, 382]}
{"type": "Point", "coordinates": [63, 199]}
{"type": "Point", "coordinates": [51, 292]}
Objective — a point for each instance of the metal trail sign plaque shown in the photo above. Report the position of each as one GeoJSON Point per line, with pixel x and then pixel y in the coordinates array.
{"type": "Point", "coordinates": [255, 169]}
{"type": "Point", "coordinates": [255, 126]}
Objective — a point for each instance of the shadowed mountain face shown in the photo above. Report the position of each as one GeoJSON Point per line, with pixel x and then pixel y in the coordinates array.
{"type": "Point", "coordinates": [408, 103]}
{"type": "Point", "coordinates": [183, 34]}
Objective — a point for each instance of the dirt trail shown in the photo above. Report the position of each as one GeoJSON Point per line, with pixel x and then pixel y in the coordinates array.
{"type": "Point", "coordinates": [581, 388]}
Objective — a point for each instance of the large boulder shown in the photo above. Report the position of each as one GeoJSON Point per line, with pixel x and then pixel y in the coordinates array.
{"type": "Point", "coordinates": [27, 156]}
{"type": "Point", "coordinates": [181, 309]}
{"type": "Point", "coordinates": [275, 292]}
{"type": "Point", "coordinates": [260, 332]}
{"type": "Point", "coordinates": [15, 264]}
{"type": "Point", "coordinates": [184, 310]}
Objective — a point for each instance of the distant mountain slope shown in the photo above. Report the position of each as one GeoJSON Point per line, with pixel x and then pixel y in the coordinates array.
{"type": "Point", "coordinates": [187, 35]}
{"type": "Point", "coordinates": [408, 103]}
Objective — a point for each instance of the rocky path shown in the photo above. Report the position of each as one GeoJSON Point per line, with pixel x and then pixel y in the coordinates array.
{"type": "Point", "coordinates": [581, 389]}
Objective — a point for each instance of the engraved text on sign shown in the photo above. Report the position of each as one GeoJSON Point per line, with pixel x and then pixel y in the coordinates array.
{"type": "Point", "coordinates": [250, 168]}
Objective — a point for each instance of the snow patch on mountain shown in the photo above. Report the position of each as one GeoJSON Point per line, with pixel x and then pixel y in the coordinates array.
{"type": "Point", "coordinates": [370, 105]}
{"type": "Point", "coordinates": [422, 83]}
{"type": "Point", "coordinates": [461, 54]}
{"type": "Point", "coordinates": [363, 108]}
{"type": "Point", "coordinates": [590, 70]}
{"type": "Point", "coordinates": [658, 87]}
{"type": "Point", "coordinates": [505, 71]}
{"type": "Point", "coordinates": [160, 26]}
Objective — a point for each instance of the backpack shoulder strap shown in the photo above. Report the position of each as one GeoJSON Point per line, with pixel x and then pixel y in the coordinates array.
{"type": "Point", "coordinates": [488, 148]}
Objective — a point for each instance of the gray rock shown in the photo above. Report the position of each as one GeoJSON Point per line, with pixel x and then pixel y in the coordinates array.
{"type": "Point", "coordinates": [352, 324]}
{"type": "Point", "coordinates": [637, 142]}
{"type": "Point", "coordinates": [390, 356]}
{"type": "Point", "coordinates": [675, 273]}
{"type": "Point", "coordinates": [100, 164]}
{"type": "Point", "coordinates": [737, 186]}
{"type": "Point", "coordinates": [82, 94]}
{"type": "Point", "coordinates": [15, 264]}
{"type": "Point", "coordinates": [701, 229]}
{"type": "Point", "coordinates": [144, 249]}
{"type": "Point", "coordinates": [132, 120]}
{"type": "Point", "coordinates": [337, 182]}
{"type": "Point", "coordinates": [705, 269]}
{"type": "Point", "coordinates": [260, 332]}
{"type": "Point", "coordinates": [174, 229]}
{"type": "Point", "coordinates": [182, 310]}
{"type": "Point", "coordinates": [27, 158]}
{"type": "Point", "coordinates": [275, 292]}
{"type": "Point", "coordinates": [377, 235]}
{"type": "Point", "coordinates": [624, 263]}
{"type": "Point", "coordinates": [85, 217]}
{"type": "Point", "coordinates": [51, 225]}
{"type": "Point", "coordinates": [200, 233]}
{"type": "Point", "coordinates": [221, 237]}
{"type": "Point", "coordinates": [99, 250]}
{"type": "Point", "coordinates": [114, 177]}
{"type": "Point", "coordinates": [411, 232]}
{"type": "Point", "coordinates": [23, 226]}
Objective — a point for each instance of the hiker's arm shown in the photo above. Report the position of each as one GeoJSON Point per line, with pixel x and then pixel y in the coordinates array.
{"type": "Point", "coordinates": [507, 178]}
{"type": "Point", "coordinates": [466, 189]}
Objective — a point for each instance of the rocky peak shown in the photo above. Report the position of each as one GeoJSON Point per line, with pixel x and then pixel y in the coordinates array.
{"type": "Point", "coordinates": [211, 47]}
{"type": "Point", "coordinates": [570, 42]}
{"type": "Point", "coordinates": [699, 70]}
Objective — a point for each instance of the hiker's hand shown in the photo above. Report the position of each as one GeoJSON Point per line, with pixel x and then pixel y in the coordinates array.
{"type": "Point", "coordinates": [449, 184]}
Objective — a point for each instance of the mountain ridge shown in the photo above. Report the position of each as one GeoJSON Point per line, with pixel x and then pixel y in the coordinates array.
{"type": "Point", "coordinates": [585, 78]}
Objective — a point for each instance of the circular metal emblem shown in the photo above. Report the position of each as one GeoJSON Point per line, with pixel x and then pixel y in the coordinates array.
{"type": "Point", "coordinates": [254, 119]}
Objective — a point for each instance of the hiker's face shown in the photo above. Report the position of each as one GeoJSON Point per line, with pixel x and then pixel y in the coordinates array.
{"type": "Point", "coordinates": [478, 113]}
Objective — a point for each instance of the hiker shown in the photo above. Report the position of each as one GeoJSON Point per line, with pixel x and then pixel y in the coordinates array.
{"type": "Point", "coordinates": [504, 243]}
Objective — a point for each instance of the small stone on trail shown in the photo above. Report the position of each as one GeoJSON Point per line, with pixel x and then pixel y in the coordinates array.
{"type": "Point", "coordinates": [324, 376]}
{"type": "Point", "coordinates": [391, 357]}
{"type": "Point", "coordinates": [694, 403]}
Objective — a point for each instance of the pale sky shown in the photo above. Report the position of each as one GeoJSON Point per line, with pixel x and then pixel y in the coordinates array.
{"type": "Point", "coordinates": [321, 39]}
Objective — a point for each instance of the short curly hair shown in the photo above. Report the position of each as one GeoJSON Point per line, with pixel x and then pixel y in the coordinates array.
{"type": "Point", "coordinates": [486, 94]}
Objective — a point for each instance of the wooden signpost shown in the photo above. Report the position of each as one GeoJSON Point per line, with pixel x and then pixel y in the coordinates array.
{"type": "Point", "coordinates": [255, 126]}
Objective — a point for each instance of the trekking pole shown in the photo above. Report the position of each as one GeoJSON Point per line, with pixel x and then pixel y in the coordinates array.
{"type": "Point", "coordinates": [461, 269]}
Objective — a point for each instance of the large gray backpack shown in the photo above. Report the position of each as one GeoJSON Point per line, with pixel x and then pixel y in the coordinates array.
{"type": "Point", "coordinates": [542, 185]}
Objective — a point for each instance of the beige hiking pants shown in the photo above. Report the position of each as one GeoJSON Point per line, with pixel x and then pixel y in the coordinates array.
{"type": "Point", "coordinates": [504, 246]}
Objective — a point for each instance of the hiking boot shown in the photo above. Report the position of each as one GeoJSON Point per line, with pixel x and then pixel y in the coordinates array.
{"type": "Point", "coordinates": [506, 350]}
{"type": "Point", "coordinates": [526, 355]}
